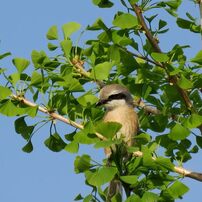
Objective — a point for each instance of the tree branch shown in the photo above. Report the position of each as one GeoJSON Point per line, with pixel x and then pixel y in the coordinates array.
{"type": "Point", "coordinates": [78, 64]}
{"type": "Point", "coordinates": [54, 115]}
{"type": "Point", "coordinates": [152, 40]}
{"type": "Point", "coordinates": [142, 57]}
{"type": "Point", "coordinates": [182, 171]}
{"type": "Point", "coordinates": [154, 43]}
{"type": "Point", "coordinates": [200, 9]}
{"type": "Point", "coordinates": [148, 109]}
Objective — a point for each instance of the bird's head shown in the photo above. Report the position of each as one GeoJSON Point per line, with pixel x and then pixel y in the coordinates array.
{"type": "Point", "coordinates": [115, 95]}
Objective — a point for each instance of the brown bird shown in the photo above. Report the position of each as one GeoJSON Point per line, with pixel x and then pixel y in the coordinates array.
{"type": "Point", "coordinates": [118, 103]}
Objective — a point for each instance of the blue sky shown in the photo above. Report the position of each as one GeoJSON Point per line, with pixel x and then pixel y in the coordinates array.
{"type": "Point", "coordinates": [44, 175]}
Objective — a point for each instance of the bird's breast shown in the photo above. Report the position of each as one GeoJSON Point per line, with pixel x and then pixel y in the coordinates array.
{"type": "Point", "coordinates": [127, 117]}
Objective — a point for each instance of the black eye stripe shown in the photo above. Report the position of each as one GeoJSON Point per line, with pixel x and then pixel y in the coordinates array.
{"type": "Point", "coordinates": [117, 96]}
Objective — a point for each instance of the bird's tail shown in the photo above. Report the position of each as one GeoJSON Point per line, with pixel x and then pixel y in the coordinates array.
{"type": "Point", "coordinates": [115, 188]}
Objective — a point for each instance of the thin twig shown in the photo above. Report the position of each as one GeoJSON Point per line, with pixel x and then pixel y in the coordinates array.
{"type": "Point", "coordinates": [177, 169]}
{"type": "Point", "coordinates": [79, 65]}
{"type": "Point", "coordinates": [200, 8]}
{"type": "Point", "coordinates": [152, 40]}
{"type": "Point", "coordinates": [142, 57]}
{"type": "Point", "coordinates": [148, 109]}
{"type": "Point", "coordinates": [53, 115]}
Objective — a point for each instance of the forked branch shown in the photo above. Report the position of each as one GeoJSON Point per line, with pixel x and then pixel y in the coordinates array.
{"type": "Point", "coordinates": [154, 43]}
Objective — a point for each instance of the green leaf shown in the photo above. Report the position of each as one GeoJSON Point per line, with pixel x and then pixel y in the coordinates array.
{"type": "Point", "coordinates": [21, 64]}
{"type": "Point", "coordinates": [148, 161]}
{"type": "Point", "coordinates": [160, 57]}
{"type": "Point", "coordinates": [75, 86]}
{"type": "Point", "coordinates": [184, 83]}
{"type": "Point", "coordinates": [194, 150]}
{"type": "Point", "coordinates": [4, 92]}
{"type": "Point", "coordinates": [114, 54]}
{"type": "Point", "coordinates": [185, 24]}
{"type": "Point", "coordinates": [66, 46]}
{"type": "Point", "coordinates": [4, 55]}
{"type": "Point", "coordinates": [198, 58]}
{"type": "Point", "coordinates": [158, 123]}
{"type": "Point", "coordinates": [151, 18]}
{"type": "Point", "coordinates": [108, 129]}
{"type": "Point", "coordinates": [133, 197]}
{"type": "Point", "coordinates": [129, 63]}
{"type": "Point", "coordinates": [31, 111]}
{"type": "Point", "coordinates": [98, 25]}
{"type": "Point", "coordinates": [125, 21]}
{"type": "Point", "coordinates": [22, 128]}
{"type": "Point", "coordinates": [72, 147]}
{"type": "Point", "coordinates": [149, 197]}
{"type": "Point", "coordinates": [9, 109]}
{"type": "Point", "coordinates": [103, 3]}
{"type": "Point", "coordinates": [78, 197]}
{"type": "Point", "coordinates": [171, 93]}
{"type": "Point", "coordinates": [173, 4]}
{"type": "Point", "coordinates": [165, 163]}
{"type": "Point", "coordinates": [119, 37]}
{"type": "Point", "coordinates": [52, 33]}
{"type": "Point", "coordinates": [107, 143]}
{"type": "Point", "coordinates": [69, 28]}
{"type": "Point", "coordinates": [36, 78]}
{"type": "Point", "coordinates": [177, 189]}
{"type": "Point", "coordinates": [82, 163]}
{"type": "Point", "coordinates": [101, 71]}
{"type": "Point", "coordinates": [190, 16]}
{"type": "Point", "coordinates": [88, 198]}
{"type": "Point", "coordinates": [86, 136]}
{"type": "Point", "coordinates": [38, 58]}
{"type": "Point", "coordinates": [28, 147]}
{"type": "Point", "coordinates": [146, 90]}
{"type": "Point", "coordinates": [83, 137]}
{"type": "Point", "coordinates": [52, 47]}
{"type": "Point", "coordinates": [178, 132]}
{"type": "Point", "coordinates": [72, 84]}
{"type": "Point", "coordinates": [15, 77]}
{"type": "Point", "coordinates": [162, 24]}
{"type": "Point", "coordinates": [70, 136]}
{"type": "Point", "coordinates": [175, 71]}
{"type": "Point", "coordinates": [143, 138]}
{"type": "Point", "coordinates": [2, 70]}
{"type": "Point", "coordinates": [55, 143]}
{"type": "Point", "coordinates": [100, 176]}
{"type": "Point", "coordinates": [193, 121]}
{"type": "Point", "coordinates": [129, 179]}
{"type": "Point", "coordinates": [87, 99]}
{"type": "Point", "coordinates": [199, 141]}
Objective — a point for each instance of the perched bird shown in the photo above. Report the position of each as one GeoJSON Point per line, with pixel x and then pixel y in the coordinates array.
{"type": "Point", "coordinates": [118, 103]}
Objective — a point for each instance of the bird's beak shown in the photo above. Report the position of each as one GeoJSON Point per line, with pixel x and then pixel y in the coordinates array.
{"type": "Point", "coordinates": [101, 102]}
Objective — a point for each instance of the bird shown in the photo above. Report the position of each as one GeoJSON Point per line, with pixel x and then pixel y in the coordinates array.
{"type": "Point", "coordinates": [118, 104]}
